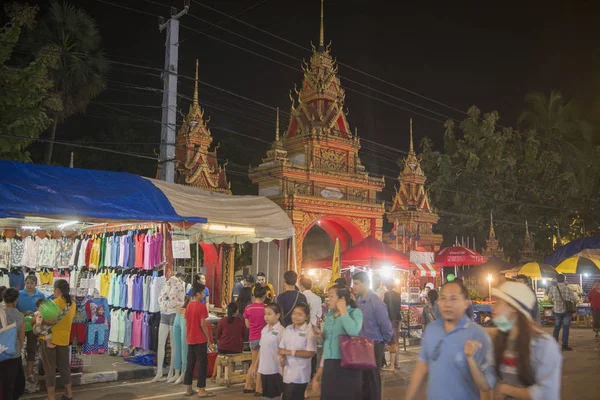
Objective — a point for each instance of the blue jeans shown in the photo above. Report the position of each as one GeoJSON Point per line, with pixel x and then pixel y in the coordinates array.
{"type": "Point", "coordinates": [564, 320]}
{"type": "Point", "coordinates": [180, 346]}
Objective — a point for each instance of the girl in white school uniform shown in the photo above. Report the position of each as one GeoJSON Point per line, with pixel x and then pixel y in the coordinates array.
{"type": "Point", "coordinates": [297, 347]}
{"type": "Point", "coordinates": [267, 362]}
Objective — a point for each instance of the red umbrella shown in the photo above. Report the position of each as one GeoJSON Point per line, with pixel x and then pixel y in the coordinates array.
{"type": "Point", "coordinates": [457, 256]}
{"type": "Point", "coordinates": [368, 253]}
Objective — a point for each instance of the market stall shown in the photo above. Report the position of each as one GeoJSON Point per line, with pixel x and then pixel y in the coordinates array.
{"type": "Point", "coordinates": [111, 235]}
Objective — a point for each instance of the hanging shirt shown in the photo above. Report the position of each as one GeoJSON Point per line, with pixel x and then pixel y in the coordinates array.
{"type": "Point", "coordinates": [82, 311]}
{"type": "Point", "coordinates": [138, 293]}
{"type": "Point", "coordinates": [16, 279]}
{"type": "Point", "coordinates": [131, 259]}
{"type": "Point", "coordinates": [88, 251]}
{"type": "Point", "coordinates": [156, 287]}
{"type": "Point", "coordinates": [95, 253]}
{"type": "Point", "coordinates": [123, 295]}
{"type": "Point", "coordinates": [74, 252]}
{"type": "Point", "coordinates": [17, 247]}
{"type": "Point", "coordinates": [30, 252]}
{"type": "Point", "coordinates": [46, 253]}
{"type": "Point", "coordinates": [105, 280]}
{"type": "Point", "coordinates": [45, 277]}
{"type": "Point", "coordinates": [114, 256]}
{"type": "Point", "coordinates": [146, 288]}
{"type": "Point", "coordinates": [113, 334]}
{"type": "Point", "coordinates": [108, 251]}
{"type": "Point", "coordinates": [158, 241]}
{"type": "Point", "coordinates": [5, 251]}
{"type": "Point", "coordinates": [130, 287]}
{"type": "Point", "coordinates": [64, 252]}
{"type": "Point", "coordinates": [125, 252]}
{"type": "Point", "coordinates": [148, 252]}
{"type": "Point", "coordinates": [139, 250]}
{"type": "Point", "coordinates": [81, 255]}
{"type": "Point", "coordinates": [97, 309]}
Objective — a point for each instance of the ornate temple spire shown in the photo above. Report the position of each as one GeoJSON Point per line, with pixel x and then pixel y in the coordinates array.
{"type": "Point", "coordinates": [492, 234]}
{"type": "Point", "coordinates": [322, 31]}
{"type": "Point", "coordinates": [196, 84]}
{"type": "Point", "coordinates": [277, 126]}
{"type": "Point", "coordinates": [528, 253]}
{"type": "Point", "coordinates": [411, 147]}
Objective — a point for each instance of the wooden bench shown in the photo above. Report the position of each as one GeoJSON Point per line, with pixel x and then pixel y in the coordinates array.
{"type": "Point", "coordinates": [225, 373]}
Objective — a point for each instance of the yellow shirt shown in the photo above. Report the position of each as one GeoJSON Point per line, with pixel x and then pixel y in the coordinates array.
{"type": "Point", "coordinates": [46, 278]}
{"type": "Point", "coordinates": [95, 254]}
{"type": "Point", "coordinates": [62, 330]}
{"type": "Point", "coordinates": [270, 291]}
{"type": "Point", "coordinates": [105, 283]}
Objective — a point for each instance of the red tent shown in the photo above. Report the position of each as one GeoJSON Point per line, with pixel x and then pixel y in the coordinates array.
{"type": "Point", "coordinates": [368, 253]}
{"type": "Point", "coordinates": [457, 256]}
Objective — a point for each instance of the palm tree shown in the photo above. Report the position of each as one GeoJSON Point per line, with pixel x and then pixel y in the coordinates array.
{"type": "Point", "coordinates": [549, 116]}
{"type": "Point", "coordinates": [81, 74]}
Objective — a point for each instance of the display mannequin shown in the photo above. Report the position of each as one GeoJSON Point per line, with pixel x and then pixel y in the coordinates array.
{"type": "Point", "coordinates": [180, 347]}
{"type": "Point", "coordinates": [171, 299]}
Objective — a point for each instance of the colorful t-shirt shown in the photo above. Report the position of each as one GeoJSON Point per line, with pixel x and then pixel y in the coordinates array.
{"type": "Point", "coordinates": [255, 314]}
{"type": "Point", "coordinates": [195, 312]}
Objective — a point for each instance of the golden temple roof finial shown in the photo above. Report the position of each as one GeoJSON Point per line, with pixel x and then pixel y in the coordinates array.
{"type": "Point", "coordinates": [492, 232]}
{"type": "Point", "coordinates": [196, 85]}
{"type": "Point", "coordinates": [411, 149]}
{"type": "Point", "coordinates": [277, 126]}
{"type": "Point", "coordinates": [322, 32]}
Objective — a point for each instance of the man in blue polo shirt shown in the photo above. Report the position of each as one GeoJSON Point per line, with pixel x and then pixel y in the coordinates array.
{"type": "Point", "coordinates": [442, 356]}
{"type": "Point", "coordinates": [377, 327]}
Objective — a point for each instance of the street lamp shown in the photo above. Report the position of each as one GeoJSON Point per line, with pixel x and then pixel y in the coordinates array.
{"type": "Point", "coordinates": [489, 278]}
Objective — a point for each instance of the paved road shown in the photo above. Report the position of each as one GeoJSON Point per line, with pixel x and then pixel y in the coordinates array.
{"type": "Point", "coordinates": [580, 379]}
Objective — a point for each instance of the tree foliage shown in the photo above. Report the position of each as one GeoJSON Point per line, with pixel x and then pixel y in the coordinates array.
{"type": "Point", "coordinates": [518, 175]}
{"type": "Point", "coordinates": [82, 65]}
{"type": "Point", "coordinates": [26, 95]}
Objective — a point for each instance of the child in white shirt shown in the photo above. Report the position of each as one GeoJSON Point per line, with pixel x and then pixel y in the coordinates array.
{"type": "Point", "coordinates": [297, 347]}
{"type": "Point", "coordinates": [267, 362]}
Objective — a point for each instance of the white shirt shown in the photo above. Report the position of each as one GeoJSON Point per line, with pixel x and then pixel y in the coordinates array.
{"type": "Point", "coordinates": [269, 350]}
{"type": "Point", "coordinates": [155, 288]}
{"type": "Point", "coordinates": [316, 310]}
{"type": "Point", "coordinates": [297, 369]}
{"type": "Point", "coordinates": [130, 292]}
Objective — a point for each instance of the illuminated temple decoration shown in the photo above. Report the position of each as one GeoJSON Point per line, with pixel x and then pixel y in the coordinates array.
{"type": "Point", "coordinates": [314, 171]}
{"type": "Point", "coordinates": [412, 211]}
{"type": "Point", "coordinates": [528, 252]}
{"type": "Point", "coordinates": [195, 164]}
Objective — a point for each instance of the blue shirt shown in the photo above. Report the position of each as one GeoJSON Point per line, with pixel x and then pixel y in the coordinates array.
{"type": "Point", "coordinates": [27, 302]}
{"type": "Point", "coordinates": [376, 322]}
{"type": "Point", "coordinates": [206, 294]}
{"type": "Point", "coordinates": [449, 375]}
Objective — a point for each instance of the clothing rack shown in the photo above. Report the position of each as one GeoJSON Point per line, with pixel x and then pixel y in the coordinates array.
{"type": "Point", "coordinates": [104, 228]}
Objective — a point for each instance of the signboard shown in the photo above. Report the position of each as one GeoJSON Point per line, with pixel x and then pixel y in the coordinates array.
{"type": "Point", "coordinates": [181, 249]}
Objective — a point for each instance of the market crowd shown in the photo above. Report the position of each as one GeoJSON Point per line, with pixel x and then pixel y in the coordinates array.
{"type": "Point", "coordinates": [359, 321]}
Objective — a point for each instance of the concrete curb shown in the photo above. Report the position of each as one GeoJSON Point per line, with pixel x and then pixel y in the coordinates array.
{"type": "Point", "coordinates": [79, 379]}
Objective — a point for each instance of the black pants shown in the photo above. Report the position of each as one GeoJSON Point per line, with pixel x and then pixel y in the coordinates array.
{"type": "Point", "coordinates": [313, 366]}
{"type": "Point", "coordinates": [197, 353]}
{"type": "Point", "coordinates": [12, 379]}
{"type": "Point", "coordinates": [294, 391]}
{"type": "Point", "coordinates": [372, 377]}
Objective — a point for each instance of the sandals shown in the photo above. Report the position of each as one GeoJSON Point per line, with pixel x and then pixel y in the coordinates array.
{"type": "Point", "coordinates": [208, 394]}
{"type": "Point", "coordinates": [188, 394]}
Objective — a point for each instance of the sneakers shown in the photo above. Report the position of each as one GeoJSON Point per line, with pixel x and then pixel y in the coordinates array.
{"type": "Point", "coordinates": [567, 348]}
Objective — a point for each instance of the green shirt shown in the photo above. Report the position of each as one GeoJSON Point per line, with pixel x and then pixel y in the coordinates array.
{"type": "Point", "coordinates": [349, 324]}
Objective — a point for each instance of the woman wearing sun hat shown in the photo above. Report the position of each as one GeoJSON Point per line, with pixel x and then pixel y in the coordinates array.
{"type": "Point", "coordinates": [527, 361]}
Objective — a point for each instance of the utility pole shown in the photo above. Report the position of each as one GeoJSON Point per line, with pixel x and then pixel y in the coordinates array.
{"type": "Point", "coordinates": [168, 132]}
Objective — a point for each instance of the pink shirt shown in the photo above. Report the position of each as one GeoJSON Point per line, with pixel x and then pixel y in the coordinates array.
{"type": "Point", "coordinates": [255, 314]}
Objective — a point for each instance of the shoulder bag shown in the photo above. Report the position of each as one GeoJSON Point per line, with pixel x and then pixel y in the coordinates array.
{"type": "Point", "coordinates": [357, 352]}
{"type": "Point", "coordinates": [8, 338]}
{"type": "Point", "coordinates": [569, 305]}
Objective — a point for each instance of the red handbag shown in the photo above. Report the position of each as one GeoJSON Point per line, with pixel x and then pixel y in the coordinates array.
{"type": "Point", "coordinates": [357, 352]}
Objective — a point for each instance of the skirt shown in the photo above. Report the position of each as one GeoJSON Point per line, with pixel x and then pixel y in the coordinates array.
{"type": "Point", "coordinates": [340, 383]}
{"type": "Point", "coordinates": [272, 385]}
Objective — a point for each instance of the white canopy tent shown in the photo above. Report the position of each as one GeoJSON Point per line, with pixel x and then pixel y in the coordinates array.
{"type": "Point", "coordinates": [231, 219]}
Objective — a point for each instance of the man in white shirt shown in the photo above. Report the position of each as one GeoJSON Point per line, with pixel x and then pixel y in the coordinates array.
{"type": "Point", "coordinates": [378, 287]}
{"type": "Point", "coordinates": [314, 301]}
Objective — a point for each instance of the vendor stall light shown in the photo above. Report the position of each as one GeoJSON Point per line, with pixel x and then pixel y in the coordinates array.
{"type": "Point", "coordinates": [489, 278]}
{"type": "Point", "coordinates": [386, 272]}
{"type": "Point", "coordinates": [544, 281]}
{"type": "Point", "coordinates": [586, 275]}
{"type": "Point", "coordinates": [31, 228]}
{"type": "Point", "coordinates": [62, 226]}
{"type": "Point", "coordinates": [397, 281]}
{"type": "Point", "coordinates": [312, 272]}
{"type": "Point", "coordinates": [229, 229]}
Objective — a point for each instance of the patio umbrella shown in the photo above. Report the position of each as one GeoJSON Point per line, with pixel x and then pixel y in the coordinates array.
{"type": "Point", "coordinates": [579, 265]}
{"type": "Point", "coordinates": [456, 255]}
{"type": "Point", "coordinates": [538, 271]}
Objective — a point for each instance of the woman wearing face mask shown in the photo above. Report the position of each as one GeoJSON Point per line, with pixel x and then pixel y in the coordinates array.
{"type": "Point", "coordinates": [527, 360]}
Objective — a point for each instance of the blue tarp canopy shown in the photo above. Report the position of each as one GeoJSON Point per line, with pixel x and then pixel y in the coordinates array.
{"type": "Point", "coordinates": [82, 194]}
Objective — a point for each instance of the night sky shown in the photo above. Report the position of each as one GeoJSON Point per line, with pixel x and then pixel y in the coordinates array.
{"type": "Point", "coordinates": [488, 54]}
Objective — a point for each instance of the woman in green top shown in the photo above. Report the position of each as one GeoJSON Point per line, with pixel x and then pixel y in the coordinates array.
{"type": "Point", "coordinates": [344, 318]}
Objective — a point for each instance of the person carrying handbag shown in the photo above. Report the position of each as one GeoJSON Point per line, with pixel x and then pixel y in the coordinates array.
{"type": "Point", "coordinates": [564, 307]}
{"type": "Point", "coordinates": [343, 318]}
{"type": "Point", "coordinates": [12, 337]}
